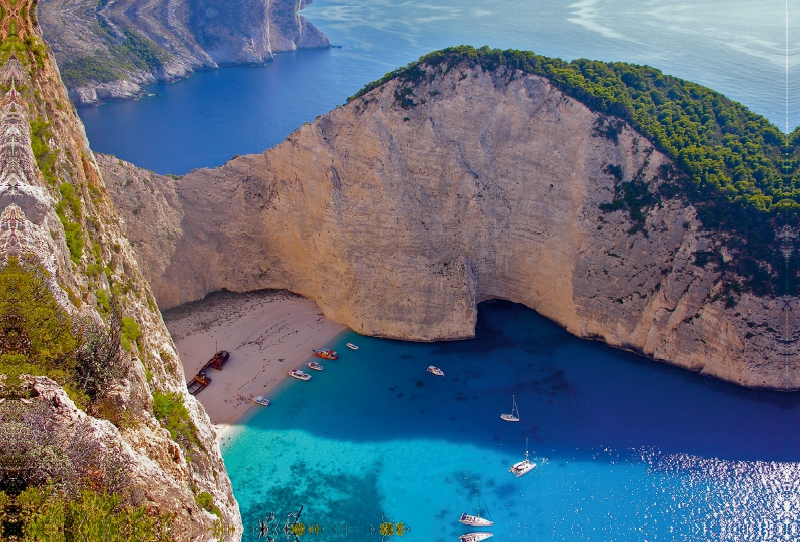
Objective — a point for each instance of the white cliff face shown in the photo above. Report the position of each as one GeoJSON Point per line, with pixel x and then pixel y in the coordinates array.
{"type": "Point", "coordinates": [398, 221]}
{"type": "Point", "coordinates": [36, 218]}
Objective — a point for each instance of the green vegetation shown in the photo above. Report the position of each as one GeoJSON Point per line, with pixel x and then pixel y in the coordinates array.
{"type": "Point", "coordinates": [168, 408]}
{"type": "Point", "coordinates": [45, 156]}
{"type": "Point", "coordinates": [46, 515]}
{"type": "Point", "coordinates": [135, 52]}
{"type": "Point", "coordinates": [130, 333]}
{"type": "Point", "coordinates": [734, 166]}
{"type": "Point", "coordinates": [205, 501]}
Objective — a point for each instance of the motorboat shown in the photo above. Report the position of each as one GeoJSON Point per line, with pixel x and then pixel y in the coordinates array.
{"type": "Point", "coordinates": [300, 375]}
{"type": "Point", "coordinates": [514, 416]}
{"type": "Point", "coordinates": [475, 521]}
{"type": "Point", "coordinates": [260, 400]}
{"type": "Point", "coordinates": [351, 346]}
{"type": "Point", "coordinates": [474, 537]}
{"type": "Point", "coordinates": [326, 353]}
{"type": "Point", "coordinates": [314, 365]}
{"type": "Point", "coordinates": [525, 466]}
{"type": "Point", "coordinates": [435, 371]}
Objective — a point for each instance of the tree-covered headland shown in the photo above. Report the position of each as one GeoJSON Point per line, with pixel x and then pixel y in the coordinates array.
{"type": "Point", "coordinates": [738, 169]}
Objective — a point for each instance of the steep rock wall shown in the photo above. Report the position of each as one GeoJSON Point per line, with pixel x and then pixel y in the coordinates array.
{"type": "Point", "coordinates": [51, 197]}
{"type": "Point", "coordinates": [399, 212]}
{"type": "Point", "coordinates": [100, 63]}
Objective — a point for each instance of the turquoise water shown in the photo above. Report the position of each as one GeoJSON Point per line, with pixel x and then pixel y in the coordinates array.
{"type": "Point", "coordinates": [636, 450]}
{"type": "Point", "coordinates": [736, 47]}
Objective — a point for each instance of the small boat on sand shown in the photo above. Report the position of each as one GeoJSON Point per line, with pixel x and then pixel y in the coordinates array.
{"type": "Point", "coordinates": [351, 346]}
{"type": "Point", "coordinates": [435, 371]}
{"type": "Point", "coordinates": [300, 375]}
{"type": "Point", "coordinates": [314, 365]}
{"type": "Point", "coordinates": [260, 400]}
{"type": "Point", "coordinates": [524, 466]}
{"type": "Point", "coordinates": [514, 416]}
{"type": "Point", "coordinates": [474, 537]}
{"type": "Point", "coordinates": [326, 353]}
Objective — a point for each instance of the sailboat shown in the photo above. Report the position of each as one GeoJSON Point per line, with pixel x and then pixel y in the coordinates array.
{"type": "Point", "coordinates": [476, 520]}
{"type": "Point", "coordinates": [474, 537]}
{"type": "Point", "coordinates": [524, 466]}
{"type": "Point", "coordinates": [514, 416]}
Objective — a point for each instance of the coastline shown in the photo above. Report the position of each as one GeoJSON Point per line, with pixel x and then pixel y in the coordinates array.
{"type": "Point", "coordinates": [267, 332]}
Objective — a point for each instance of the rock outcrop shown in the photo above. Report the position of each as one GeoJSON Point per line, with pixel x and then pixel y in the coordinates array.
{"type": "Point", "coordinates": [55, 211]}
{"type": "Point", "coordinates": [109, 49]}
{"type": "Point", "coordinates": [398, 216]}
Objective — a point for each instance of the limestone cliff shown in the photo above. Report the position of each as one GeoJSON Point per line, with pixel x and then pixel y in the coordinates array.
{"type": "Point", "coordinates": [108, 49]}
{"type": "Point", "coordinates": [399, 214]}
{"type": "Point", "coordinates": [57, 213]}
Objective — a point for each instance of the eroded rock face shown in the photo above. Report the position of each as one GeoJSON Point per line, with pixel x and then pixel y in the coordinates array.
{"type": "Point", "coordinates": [49, 202]}
{"type": "Point", "coordinates": [187, 35]}
{"type": "Point", "coordinates": [398, 220]}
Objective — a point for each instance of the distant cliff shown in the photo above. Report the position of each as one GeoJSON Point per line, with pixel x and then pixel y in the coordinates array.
{"type": "Point", "coordinates": [108, 49]}
{"type": "Point", "coordinates": [425, 195]}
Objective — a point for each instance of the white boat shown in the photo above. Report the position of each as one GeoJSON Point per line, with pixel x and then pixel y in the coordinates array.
{"type": "Point", "coordinates": [351, 346]}
{"type": "Point", "coordinates": [524, 466]}
{"type": "Point", "coordinates": [259, 400]}
{"type": "Point", "coordinates": [314, 365]}
{"type": "Point", "coordinates": [435, 371]}
{"type": "Point", "coordinates": [474, 537]}
{"type": "Point", "coordinates": [514, 416]}
{"type": "Point", "coordinates": [300, 375]}
{"type": "Point", "coordinates": [476, 520]}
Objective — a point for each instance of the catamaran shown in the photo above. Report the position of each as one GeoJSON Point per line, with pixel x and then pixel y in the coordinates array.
{"type": "Point", "coordinates": [524, 466]}
{"type": "Point", "coordinates": [474, 537]}
{"type": "Point", "coordinates": [514, 416]}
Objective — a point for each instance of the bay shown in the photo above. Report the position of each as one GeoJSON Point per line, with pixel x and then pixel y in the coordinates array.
{"type": "Point", "coordinates": [628, 449]}
{"type": "Point", "coordinates": [736, 47]}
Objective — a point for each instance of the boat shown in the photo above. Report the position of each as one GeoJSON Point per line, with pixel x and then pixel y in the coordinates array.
{"type": "Point", "coordinates": [474, 537]}
{"type": "Point", "coordinates": [435, 371]}
{"type": "Point", "coordinates": [514, 416]}
{"type": "Point", "coordinates": [524, 466]}
{"type": "Point", "coordinates": [260, 400]}
{"type": "Point", "coordinates": [326, 353]}
{"type": "Point", "coordinates": [314, 365]}
{"type": "Point", "coordinates": [351, 346]}
{"type": "Point", "coordinates": [218, 360]}
{"type": "Point", "coordinates": [476, 520]}
{"type": "Point", "coordinates": [198, 383]}
{"type": "Point", "coordinates": [300, 375]}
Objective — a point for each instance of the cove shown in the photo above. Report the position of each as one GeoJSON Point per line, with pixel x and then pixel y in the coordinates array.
{"type": "Point", "coordinates": [636, 449]}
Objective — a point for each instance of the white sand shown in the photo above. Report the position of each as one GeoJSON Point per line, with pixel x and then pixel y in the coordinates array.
{"type": "Point", "coordinates": [268, 333]}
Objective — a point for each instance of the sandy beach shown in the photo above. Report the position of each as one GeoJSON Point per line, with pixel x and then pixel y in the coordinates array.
{"type": "Point", "coordinates": [267, 333]}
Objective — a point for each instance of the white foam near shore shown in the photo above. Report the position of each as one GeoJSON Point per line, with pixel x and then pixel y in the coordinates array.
{"type": "Point", "coordinates": [267, 333]}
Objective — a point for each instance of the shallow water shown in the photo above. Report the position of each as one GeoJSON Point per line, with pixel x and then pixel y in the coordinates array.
{"type": "Point", "coordinates": [636, 450]}
{"type": "Point", "coordinates": [736, 47]}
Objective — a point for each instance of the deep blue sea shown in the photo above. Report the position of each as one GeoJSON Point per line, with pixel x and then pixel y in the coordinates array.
{"type": "Point", "coordinates": [635, 450]}
{"type": "Point", "coordinates": [736, 47]}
